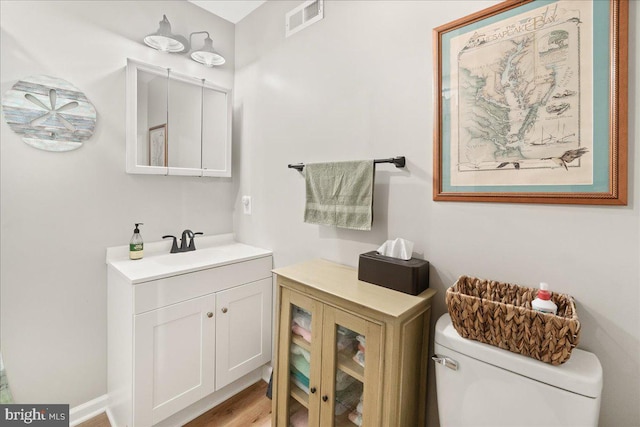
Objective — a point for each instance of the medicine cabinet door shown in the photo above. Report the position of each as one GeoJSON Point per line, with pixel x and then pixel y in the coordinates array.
{"type": "Point", "coordinates": [147, 95]}
{"type": "Point", "coordinates": [299, 360]}
{"type": "Point", "coordinates": [185, 126]}
{"type": "Point", "coordinates": [351, 371]}
{"type": "Point", "coordinates": [216, 131]}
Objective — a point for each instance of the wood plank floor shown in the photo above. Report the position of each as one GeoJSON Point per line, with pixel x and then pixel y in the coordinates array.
{"type": "Point", "coordinates": [99, 421]}
{"type": "Point", "coordinates": [250, 407]}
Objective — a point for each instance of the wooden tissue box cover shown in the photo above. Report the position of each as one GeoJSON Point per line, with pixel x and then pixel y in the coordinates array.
{"type": "Point", "coordinates": [410, 276]}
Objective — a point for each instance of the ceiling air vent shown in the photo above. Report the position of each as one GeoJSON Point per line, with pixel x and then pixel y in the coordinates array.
{"type": "Point", "coordinates": [304, 15]}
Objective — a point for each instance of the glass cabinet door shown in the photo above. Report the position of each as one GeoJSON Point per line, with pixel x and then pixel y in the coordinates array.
{"type": "Point", "coordinates": [329, 370]}
{"type": "Point", "coordinates": [299, 360]}
{"type": "Point", "coordinates": [351, 373]}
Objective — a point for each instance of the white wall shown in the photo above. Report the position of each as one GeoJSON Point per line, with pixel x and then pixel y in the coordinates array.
{"type": "Point", "coordinates": [358, 84]}
{"type": "Point", "coordinates": [59, 211]}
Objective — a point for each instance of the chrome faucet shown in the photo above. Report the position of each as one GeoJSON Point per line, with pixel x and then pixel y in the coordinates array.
{"type": "Point", "coordinates": [187, 242]}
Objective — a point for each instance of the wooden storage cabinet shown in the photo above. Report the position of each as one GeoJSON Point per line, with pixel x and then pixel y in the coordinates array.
{"type": "Point", "coordinates": [176, 340]}
{"type": "Point", "coordinates": [348, 352]}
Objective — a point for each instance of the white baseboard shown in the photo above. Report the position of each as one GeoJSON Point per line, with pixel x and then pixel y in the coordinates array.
{"type": "Point", "coordinates": [86, 411]}
{"type": "Point", "coordinates": [266, 373]}
{"type": "Point", "coordinates": [110, 416]}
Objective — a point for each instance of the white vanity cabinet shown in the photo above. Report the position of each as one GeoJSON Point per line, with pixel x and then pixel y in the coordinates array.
{"type": "Point", "coordinates": [184, 338]}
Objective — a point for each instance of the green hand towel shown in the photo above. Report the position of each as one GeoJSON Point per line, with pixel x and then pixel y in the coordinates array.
{"type": "Point", "coordinates": [340, 194]}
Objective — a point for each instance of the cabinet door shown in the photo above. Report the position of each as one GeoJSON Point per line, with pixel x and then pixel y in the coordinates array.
{"type": "Point", "coordinates": [243, 330]}
{"type": "Point", "coordinates": [351, 370]}
{"type": "Point", "coordinates": [299, 360]}
{"type": "Point", "coordinates": [216, 132]}
{"type": "Point", "coordinates": [146, 118]}
{"type": "Point", "coordinates": [185, 126]}
{"type": "Point", "coordinates": [173, 358]}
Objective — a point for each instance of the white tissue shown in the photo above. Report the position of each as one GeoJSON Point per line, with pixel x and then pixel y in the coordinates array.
{"type": "Point", "coordinates": [398, 248]}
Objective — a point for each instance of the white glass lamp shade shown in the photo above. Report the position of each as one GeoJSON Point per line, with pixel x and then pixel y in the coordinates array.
{"type": "Point", "coordinates": [165, 40]}
{"type": "Point", "coordinates": [207, 56]}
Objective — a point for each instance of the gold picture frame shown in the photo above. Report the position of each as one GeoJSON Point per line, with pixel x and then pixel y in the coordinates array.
{"type": "Point", "coordinates": [524, 113]}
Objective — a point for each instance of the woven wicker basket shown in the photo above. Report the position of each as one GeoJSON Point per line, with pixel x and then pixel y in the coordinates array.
{"type": "Point", "coordinates": [500, 314]}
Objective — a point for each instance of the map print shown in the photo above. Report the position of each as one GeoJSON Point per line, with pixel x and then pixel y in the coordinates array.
{"type": "Point", "coordinates": [520, 95]}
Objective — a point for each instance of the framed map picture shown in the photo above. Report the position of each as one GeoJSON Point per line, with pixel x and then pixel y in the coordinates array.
{"type": "Point", "coordinates": [158, 145]}
{"type": "Point", "coordinates": [531, 104]}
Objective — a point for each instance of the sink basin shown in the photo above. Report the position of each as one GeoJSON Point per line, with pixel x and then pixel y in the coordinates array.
{"type": "Point", "coordinates": [197, 257]}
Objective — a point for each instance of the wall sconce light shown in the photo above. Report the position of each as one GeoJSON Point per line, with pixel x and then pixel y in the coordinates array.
{"type": "Point", "coordinates": [206, 55]}
{"type": "Point", "coordinates": [164, 40]}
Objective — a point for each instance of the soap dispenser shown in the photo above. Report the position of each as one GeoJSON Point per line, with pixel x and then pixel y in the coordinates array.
{"type": "Point", "coordinates": [136, 246]}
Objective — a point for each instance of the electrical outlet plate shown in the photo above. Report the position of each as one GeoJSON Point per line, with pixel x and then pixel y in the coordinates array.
{"type": "Point", "coordinates": [246, 205]}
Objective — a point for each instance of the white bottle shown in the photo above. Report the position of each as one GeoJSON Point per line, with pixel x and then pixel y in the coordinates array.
{"type": "Point", "coordinates": [543, 301]}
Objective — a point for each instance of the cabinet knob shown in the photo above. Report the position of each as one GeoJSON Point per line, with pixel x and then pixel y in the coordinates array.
{"type": "Point", "coordinates": [312, 389]}
{"type": "Point", "coordinates": [224, 309]}
{"type": "Point", "coordinates": [209, 314]}
{"type": "Point", "coordinates": [325, 398]}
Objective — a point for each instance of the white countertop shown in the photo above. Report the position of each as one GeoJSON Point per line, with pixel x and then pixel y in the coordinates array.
{"type": "Point", "coordinates": [158, 263]}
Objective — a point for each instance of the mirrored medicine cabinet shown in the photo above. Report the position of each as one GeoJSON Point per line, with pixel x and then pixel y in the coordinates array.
{"type": "Point", "coordinates": [176, 124]}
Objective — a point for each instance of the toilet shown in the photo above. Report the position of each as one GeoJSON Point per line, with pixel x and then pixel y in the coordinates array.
{"type": "Point", "coordinates": [481, 385]}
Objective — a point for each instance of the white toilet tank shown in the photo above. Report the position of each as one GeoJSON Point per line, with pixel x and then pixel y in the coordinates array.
{"type": "Point", "coordinates": [495, 387]}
